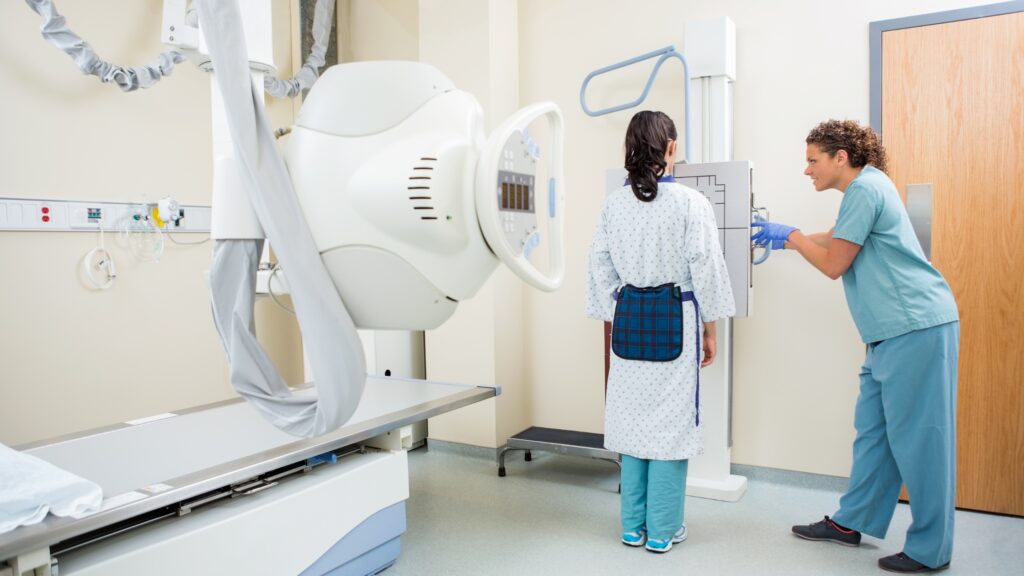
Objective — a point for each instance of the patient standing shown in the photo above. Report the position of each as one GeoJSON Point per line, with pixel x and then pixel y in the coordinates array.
{"type": "Point", "coordinates": [654, 232]}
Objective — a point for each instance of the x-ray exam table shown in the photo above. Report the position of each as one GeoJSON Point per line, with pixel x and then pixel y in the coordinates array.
{"type": "Point", "coordinates": [156, 471]}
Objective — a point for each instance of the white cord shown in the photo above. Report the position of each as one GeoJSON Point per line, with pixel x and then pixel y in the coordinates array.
{"type": "Point", "coordinates": [105, 264]}
{"type": "Point", "coordinates": [270, 289]}
{"type": "Point", "coordinates": [180, 243]}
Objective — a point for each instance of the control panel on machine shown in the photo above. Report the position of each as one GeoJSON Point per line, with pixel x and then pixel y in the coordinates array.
{"type": "Point", "coordinates": [516, 193]}
{"type": "Point", "coordinates": [514, 183]}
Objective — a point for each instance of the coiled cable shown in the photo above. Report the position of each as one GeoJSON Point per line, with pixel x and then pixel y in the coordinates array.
{"type": "Point", "coordinates": [56, 31]}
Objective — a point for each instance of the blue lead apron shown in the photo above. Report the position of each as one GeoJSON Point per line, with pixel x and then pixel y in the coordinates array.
{"type": "Point", "coordinates": [648, 326]}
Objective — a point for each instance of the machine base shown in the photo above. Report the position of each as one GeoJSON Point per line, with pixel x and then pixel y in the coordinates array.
{"type": "Point", "coordinates": [343, 518]}
{"type": "Point", "coordinates": [369, 549]}
{"type": "Point", "coordinates": [730, 489]}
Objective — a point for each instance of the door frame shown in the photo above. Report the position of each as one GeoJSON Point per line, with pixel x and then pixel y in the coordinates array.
{"type": "Point", "coordinates": [877, 28]}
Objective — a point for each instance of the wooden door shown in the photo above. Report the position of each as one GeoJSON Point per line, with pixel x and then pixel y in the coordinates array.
{"type": "Point", "coordinates": [953, 117]}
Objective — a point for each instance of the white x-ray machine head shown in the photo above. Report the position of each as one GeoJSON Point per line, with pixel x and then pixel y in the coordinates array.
{"type": "Point", "coordinates": [410, 206]}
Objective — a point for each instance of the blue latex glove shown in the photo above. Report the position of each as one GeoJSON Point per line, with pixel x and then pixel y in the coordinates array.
{"type": "Point", "coordinates": [771, 232]}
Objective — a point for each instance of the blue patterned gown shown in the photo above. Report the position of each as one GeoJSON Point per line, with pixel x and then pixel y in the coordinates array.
{"type": "Point", "coordinates": [651, 407]}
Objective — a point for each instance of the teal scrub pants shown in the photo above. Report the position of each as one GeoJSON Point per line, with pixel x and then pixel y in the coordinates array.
{"type": "Point", "coordinates": [906, 434]}
{"type": "Point", "coordinates": [652, 496]}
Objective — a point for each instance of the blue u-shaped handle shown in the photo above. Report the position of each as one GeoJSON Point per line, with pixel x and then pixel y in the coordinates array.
{"type": "Point", "coordinates": [764, 255]}
{"type": "Point", "coordinates": [662, 55]}
{"type": "Point", "coordinates": [767, 246]}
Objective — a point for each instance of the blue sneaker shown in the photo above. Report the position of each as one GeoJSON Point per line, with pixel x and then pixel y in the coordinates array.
{"type": "Point", "coordinates": [662, 546]}
{"type": "Point", "coordinates": [634, 538]}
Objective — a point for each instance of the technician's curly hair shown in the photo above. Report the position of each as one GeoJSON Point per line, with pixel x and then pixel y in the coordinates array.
{"type": "Point", "coordinates": [862, 144]}
{"type": "Point", "coordinates": [647, 141]}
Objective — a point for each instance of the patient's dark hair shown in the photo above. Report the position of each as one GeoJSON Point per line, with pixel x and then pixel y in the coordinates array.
{"type": "Point", "coordinates": [647, 141]}
{"type": "Point", "coordinates": [862, 144]}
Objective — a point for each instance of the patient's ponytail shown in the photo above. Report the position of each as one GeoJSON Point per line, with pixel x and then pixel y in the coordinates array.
{"type": "Point", "coordinates": [647, 140]}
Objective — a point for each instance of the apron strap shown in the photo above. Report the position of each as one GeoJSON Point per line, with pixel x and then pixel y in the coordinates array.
{"type": "Point", "coordinates": [690, 297]}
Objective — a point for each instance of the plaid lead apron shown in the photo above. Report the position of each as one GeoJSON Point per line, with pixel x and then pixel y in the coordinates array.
{"type": "Point", "coordinates": [648, 326]}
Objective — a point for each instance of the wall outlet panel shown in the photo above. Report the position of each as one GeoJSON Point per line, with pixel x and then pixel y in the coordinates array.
{"type": "Point", "coordinates": [38, 215]}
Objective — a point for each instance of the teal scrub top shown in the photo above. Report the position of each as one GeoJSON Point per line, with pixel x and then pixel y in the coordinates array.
{"type": "Point", "coordinates": [891, 287]}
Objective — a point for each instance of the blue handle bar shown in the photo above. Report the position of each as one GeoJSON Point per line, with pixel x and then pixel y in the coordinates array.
{"type": "Point", "coordinates": [764, 256]}
{"type": "Point", "coordinates": [767, 247]}
{"type": "Point", "coordinates": [663, 54]}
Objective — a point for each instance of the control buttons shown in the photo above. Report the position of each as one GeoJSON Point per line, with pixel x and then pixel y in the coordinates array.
{"type": "Point", "coordinates": [531, 243]}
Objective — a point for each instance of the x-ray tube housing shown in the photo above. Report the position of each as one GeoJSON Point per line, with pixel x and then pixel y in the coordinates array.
{"type": "Point", "coordinates": [385, 158]}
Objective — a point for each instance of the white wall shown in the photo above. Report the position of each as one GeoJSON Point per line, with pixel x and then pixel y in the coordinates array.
{"type": "Point", "coordinates": [72, 358]}
{"type": "Point", "coordinates": [798, 63]}
{"type": "Point", "coordinates": [378, 30]}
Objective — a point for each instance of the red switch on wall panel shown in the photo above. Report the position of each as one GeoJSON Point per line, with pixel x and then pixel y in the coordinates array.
{"type": "Point", "coordinates": [46, 209]}
{"type": "Point", "coordinates": [46, 218]}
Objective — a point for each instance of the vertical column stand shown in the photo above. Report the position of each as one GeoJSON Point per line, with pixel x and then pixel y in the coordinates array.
{"type": "Point", "coordinates": [710, 47]}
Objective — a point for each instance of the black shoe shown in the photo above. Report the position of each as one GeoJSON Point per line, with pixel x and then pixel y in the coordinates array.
{"type": "Point", "coordinates": [906, 565]}
{"type": "Point", "coordinates": [828, 530]}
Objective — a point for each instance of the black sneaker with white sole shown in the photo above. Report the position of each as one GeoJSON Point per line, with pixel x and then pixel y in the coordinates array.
{"type": "Point", "coordinates": [903, 564]}
{"type": "Point", "coordinates": [828, 530]}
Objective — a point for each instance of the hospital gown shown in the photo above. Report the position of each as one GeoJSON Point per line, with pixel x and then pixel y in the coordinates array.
{"type": "Point", "coordinates": [650, 410]}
